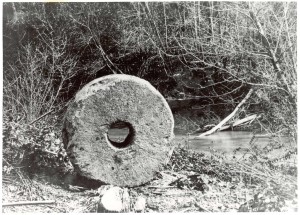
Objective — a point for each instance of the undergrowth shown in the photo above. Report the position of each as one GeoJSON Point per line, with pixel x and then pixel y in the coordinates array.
{"type": "Point", "coordinates": [274, 185]}
{"type": "Point", "coordinates": [32, 147]}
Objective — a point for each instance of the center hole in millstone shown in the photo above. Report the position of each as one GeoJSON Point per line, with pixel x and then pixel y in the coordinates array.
{"type": "Point", "coordinates": [120, 134]}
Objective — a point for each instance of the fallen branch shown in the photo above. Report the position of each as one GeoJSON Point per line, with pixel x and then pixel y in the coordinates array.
{"type": "Point", "coordinates": [240, 122]}
{"type": "Point", "coordinates": [28, 203]}
{"type": "Point", "coordinates": [217, 127]}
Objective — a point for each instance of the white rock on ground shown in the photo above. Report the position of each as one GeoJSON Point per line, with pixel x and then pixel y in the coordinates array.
{"type": "Point", "coordinates": [113, 199]}
{"type": "Point", "coordinates": [140, 204]}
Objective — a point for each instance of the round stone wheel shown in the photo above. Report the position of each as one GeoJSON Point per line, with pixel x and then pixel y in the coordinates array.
{"type": "Point", "coordinates": [112, 101]}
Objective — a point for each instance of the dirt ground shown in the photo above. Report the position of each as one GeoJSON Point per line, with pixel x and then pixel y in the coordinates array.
{"type": "Point", "coordinates": [189, 183]}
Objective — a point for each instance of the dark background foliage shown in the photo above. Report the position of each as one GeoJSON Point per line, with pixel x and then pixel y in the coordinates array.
{"type": "Point", "coordinates": [204, 55]}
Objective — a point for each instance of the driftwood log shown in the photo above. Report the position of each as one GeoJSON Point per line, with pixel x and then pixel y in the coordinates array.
{"type": "Point", "coordinates": [217, 127]}
{"type": "Point", "coordinates": [239, 122]}
{"type": "Point", "coordinates": [105, 103]}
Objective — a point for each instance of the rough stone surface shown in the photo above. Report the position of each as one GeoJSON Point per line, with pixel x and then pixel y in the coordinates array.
{"type": "Point", "coordinates": [112, 99]}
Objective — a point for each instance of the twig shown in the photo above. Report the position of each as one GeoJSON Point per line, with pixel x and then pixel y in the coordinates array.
{"type": "Point", "coordinates": [185, 210]}
{"type": "Point", "coordinates": [28, 203]}
{"type": "Point", "coordinates": [169, 155]}
{"type": "Point", "coordinates": [49, 152]}
{"type": "Point", "coordinates": [171, 173]}
{"type": "Point", "coordinates": [201, 207]}
{"type": "Point", "coordinates": [41, 117]}
{"type": "Point", "coordinates": [161, 187]}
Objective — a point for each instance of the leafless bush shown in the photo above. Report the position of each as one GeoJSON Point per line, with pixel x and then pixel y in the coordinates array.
{"type": "Point", "coordinates": [33, 84]}
{"type": "Point", "coordinates": [215, 51]}
{"type": "Point", "coordinates": [223, 49]}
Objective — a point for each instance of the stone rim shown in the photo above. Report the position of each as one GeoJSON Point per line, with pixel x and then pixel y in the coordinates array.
{"type": "Point", "coordinates": [89, 94]}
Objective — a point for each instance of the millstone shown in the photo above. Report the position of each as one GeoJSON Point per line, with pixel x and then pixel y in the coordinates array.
{"type": "Point", "coordinates": [118, 100]}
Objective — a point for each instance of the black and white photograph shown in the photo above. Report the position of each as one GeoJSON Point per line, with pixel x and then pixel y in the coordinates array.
{"type": "Point", "coordinates": [149, 106]}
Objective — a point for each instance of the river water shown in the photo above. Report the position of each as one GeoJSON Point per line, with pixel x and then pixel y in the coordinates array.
{"type": "Point", "coordinates": [224, 141]}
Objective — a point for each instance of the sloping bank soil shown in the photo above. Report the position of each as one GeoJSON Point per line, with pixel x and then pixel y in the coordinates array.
{"type": "Point", "coordinates": [190, 182]}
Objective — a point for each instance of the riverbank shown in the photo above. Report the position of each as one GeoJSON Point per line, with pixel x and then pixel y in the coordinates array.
{"type": "Point", "coordinates": [190, 181]}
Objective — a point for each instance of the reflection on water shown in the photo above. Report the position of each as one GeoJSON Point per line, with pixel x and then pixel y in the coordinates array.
{"type": "Point", "coordinates": [227, 141]}
{"type": "Point", "coordinates": [224, 141]}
